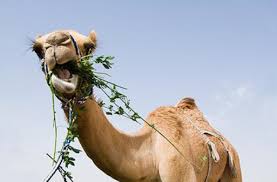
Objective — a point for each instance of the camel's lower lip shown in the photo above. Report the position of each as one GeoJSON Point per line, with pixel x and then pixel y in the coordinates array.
{"type": "Point", "coordinates": [67, 86]}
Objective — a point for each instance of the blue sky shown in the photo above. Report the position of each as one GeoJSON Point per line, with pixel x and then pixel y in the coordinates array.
{"type": "Point", "coordinates": [222, 53]}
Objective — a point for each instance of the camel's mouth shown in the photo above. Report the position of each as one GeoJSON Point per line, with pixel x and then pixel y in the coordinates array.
{"type": "Point", "coordinates": [61, 54]}
{"type": "Point", "coordinates": [65, 78]}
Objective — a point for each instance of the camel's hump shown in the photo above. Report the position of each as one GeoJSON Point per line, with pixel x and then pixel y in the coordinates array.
{"type": "Point", "coordinates": [186, 103]}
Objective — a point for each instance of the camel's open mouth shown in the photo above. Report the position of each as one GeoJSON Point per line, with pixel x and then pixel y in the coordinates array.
{"type": "Point", "coordinates": [65, 77]}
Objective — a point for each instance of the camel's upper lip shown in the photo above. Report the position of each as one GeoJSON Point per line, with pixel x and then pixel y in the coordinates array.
{"type": "Point", "coordinates": [65, 71]}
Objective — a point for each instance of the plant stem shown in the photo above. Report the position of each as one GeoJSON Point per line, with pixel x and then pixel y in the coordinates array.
{"type": "Point", "coordinates": [111, 83]}
{"type": "Point", "coordinates": [117, 104]}
{"type": "Point", "coordinates": [54, 124]}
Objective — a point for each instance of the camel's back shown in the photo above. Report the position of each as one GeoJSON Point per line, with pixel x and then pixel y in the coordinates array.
{"type": "Point", "coordinates": [215, 142]}
{"type": "Point", "coordinates": [177, 121]}
{"type": "Point", "coordinates": [186, 127]}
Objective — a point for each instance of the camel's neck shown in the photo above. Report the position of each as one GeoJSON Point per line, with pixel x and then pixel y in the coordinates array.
{"type": "Point", "coordinates": [116, 153]}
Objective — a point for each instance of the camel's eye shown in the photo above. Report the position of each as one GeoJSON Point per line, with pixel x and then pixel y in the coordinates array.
{"type": "Point", "coordinates": [37, 47]}
{"type": "Point", "coordinates": [89, 47]}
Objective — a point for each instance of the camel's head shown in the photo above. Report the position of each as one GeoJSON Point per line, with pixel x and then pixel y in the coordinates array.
{"type": "Point", "coordinates": [59, 50]}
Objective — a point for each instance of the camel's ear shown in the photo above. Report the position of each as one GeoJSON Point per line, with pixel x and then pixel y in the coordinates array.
{"type": "Point", "coordinates": [92, 36]}
{"type": "Point", "coordinates": [90, 43]}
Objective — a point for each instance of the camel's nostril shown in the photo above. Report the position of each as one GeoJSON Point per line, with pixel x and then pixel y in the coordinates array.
{"type": "Point", "coordinates": [50, 59]}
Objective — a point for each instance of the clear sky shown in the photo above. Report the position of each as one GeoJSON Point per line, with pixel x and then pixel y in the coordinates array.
{"type": "Point", "coordinates": [222, 53]}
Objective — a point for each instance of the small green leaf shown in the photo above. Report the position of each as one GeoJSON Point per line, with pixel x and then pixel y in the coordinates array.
{"type": "Point", "coordinates": [109, 113]}
{"type": "Point", "coordinates": [120, 111]}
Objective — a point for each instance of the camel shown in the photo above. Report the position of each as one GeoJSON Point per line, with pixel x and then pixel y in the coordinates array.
{"type": "Point", "coordinates": [144, 156]}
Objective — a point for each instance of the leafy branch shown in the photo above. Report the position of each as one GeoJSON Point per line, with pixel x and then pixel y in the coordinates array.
{"type": "Point", "coordinates": [64, 154]}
